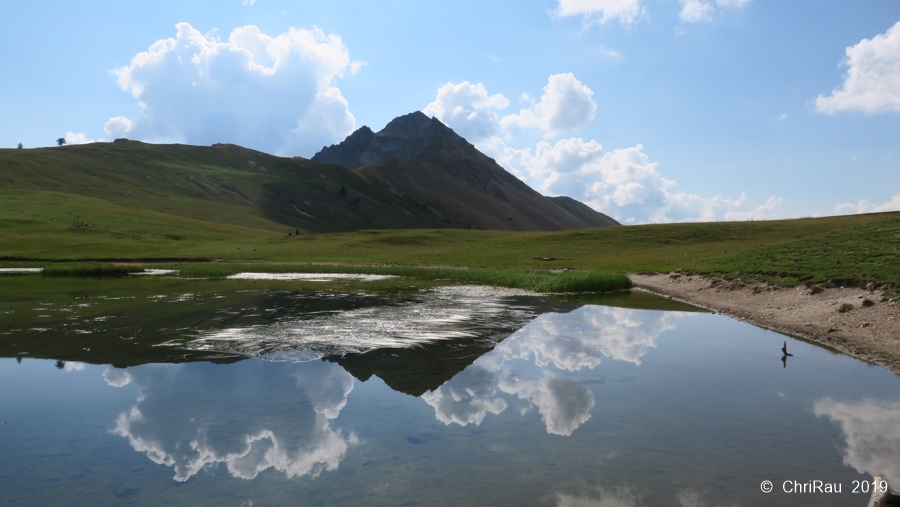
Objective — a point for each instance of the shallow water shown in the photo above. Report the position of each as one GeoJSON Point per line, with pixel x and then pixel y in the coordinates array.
{"type": "Point", "coordinates": [436, 396]}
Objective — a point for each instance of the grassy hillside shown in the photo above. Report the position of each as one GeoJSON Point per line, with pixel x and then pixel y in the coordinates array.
{"type": "Point", "coordinates": [167, 219]}
{"type": "Point", "coordinates": [223, 183]}
{"type": "Point", "coordinates": [36, 227]}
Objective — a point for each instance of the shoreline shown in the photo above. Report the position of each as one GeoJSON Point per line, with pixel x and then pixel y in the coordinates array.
{"type": "Point", "coordinates": [871, 334]}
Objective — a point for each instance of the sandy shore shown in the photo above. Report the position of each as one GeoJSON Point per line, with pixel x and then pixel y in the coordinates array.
{"type": "Point", "coordinates": [868, 333]}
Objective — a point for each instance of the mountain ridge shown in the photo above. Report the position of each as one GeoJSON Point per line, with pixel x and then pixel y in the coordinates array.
{"type": "Point", "coordinates": [423, 160]}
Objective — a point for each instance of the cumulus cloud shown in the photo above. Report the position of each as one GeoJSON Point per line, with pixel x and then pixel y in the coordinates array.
{"type": "Point", "coordinates": [73, 138]}
{"type": "Point", "coordinates": [695, 11]}
{"type": "Point", "coordinates": [865, 206]}
{"type": "Point", "coordinates": [564, 404]}
{"type": "Point", "coordinates": [623, 183]}
{"type": "Point", "coordinates": [73, 366]}
{"type": "Point", "coordinates": [466, 398]}
{"type": "Point", "coordinates": [582, 338]}
{"type": "Point", "coordinates": [275, 94]}
{"type": "Point", "coordinates": [116, 377]}
{"type": "Point", "coordinates": [602, 11]}
{"type": "Point", "coordinates": [870, 431]}
{"type": "Point", "coordinates": [554, 344]}
{"type": "Point", "coordinates": [565, 105]}
{"type": "Point", "coordinates": [872, 82]}
{"type": "Point", "coordinates": [190, 417]}
{"type": "Point", "coordinates": [468, 109]}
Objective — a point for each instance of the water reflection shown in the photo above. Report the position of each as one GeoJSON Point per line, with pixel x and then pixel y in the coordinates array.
{"type": "Point", "coordinates": [602, 498]}
{"type": "Point", "coordinates": [871, 432]}
{"type": "Point", "coordinates": [197, 417]}
{"type": "Point", "coordinates": [623, 497]}
{"type": "Point", "coordinates": [448, 313]}
{"type": "Point", "coordinates": [568, 342]}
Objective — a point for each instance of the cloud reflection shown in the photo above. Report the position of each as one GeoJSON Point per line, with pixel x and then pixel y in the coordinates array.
{"type": "Point", "coordinates": [568, 342]}
{"type": "Point", "coordinates": [564, 405]}
{"type": "Point", "coordinates": [870, 429]}
{"type": "Point", "coordinates": [605, 499]}
{"type": "Point", "coordinates": [197, 416]}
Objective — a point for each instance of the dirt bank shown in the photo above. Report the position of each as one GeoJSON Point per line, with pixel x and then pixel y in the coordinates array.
{"type": "Point", "coordinates": [871, 333]}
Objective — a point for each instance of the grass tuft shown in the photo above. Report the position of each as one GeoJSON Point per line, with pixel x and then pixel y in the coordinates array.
{"type": "Point", "coordinates": [846, 307]}
{"type": "Point", "coordinates": [87, 270]}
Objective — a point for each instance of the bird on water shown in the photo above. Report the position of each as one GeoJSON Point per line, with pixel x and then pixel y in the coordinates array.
{"type": "Point", "coordinates": [784, 351]}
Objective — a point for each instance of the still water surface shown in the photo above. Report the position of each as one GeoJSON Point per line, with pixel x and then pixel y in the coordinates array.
{"type": "Point", "coordinates": [431, 396]}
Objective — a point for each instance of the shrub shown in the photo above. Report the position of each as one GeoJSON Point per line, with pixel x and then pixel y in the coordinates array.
{"type": "Point", "coordinates": [846, 307]}
{"type": "Point", "coordinates": [868, 302]}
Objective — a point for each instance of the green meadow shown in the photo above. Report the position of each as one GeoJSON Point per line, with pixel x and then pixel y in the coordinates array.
{"type": "Point", "coordinates": [207, 235]}
{"type": "Point", "coordinates": [36, 229]}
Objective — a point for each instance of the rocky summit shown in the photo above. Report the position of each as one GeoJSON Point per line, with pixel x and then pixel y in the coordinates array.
{"type": "Point", "coordinates": [428, 166]}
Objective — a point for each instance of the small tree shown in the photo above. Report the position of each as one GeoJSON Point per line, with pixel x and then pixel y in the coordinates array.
{"type": "Point", "coordinates": [61, 141]}
{"type": "Point", "coordinates": [19, 146]}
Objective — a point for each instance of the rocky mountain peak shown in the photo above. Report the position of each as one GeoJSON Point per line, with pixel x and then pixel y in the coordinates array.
{"type": "Point", "coordinates": [402, 139]}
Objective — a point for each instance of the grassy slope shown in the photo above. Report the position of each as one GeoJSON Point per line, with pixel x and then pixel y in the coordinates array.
{"type": "Point", "coordinates": [36, 223]}
{"type": "Point", "coordinates": [223, 184]}
{"type": "Point", "coordinates": [787, 252]}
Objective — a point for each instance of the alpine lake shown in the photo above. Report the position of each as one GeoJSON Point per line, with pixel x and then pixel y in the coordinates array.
{"type": "Point", "coordinates": [340, 390]}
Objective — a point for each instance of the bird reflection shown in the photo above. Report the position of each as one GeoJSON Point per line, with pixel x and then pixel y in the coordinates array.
{"type": "Point", "coordinates": [784, 355]}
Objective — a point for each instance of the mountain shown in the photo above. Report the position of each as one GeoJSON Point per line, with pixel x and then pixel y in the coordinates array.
{"type": "Point", "coordinates": [414, 174]}
{"type": "Point", "coordinates": [426, 164]}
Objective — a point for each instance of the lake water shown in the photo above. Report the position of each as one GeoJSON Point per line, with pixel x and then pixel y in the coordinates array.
{"type": "Point", "coordinates": [243, 393]}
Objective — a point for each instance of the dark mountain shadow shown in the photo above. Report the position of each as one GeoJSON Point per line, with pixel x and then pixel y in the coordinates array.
{"type": "Point", "coordinates": [422, 368]}
{"type": "Point", "coordinates": [429, 166]}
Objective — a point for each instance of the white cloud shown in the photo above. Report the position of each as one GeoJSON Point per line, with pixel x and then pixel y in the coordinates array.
{"type": "Point", "coordinates": [74, 366]}
{"type": "Point", "coordinates": [872, 82]}
{"type": "Point", "coordinates": [564, 404]}
{"type": "Point", "coordinates": [248, 2]}
{"type": "Point", "coordinates": [870, 431]}
{"type": "Point", "coordinates": [582, 338]}
{"type": "Point", "coordinates": [468, 109]}
{"type": "Point", "coordinates": [602, 11]}
{"type": "Point", "coordinates": [567, 342]}
{"type": "Point", "coordinates": [565, 105]}
{"type": "Point", "coordinates": [116, 377]}
{"type": "Point", "coordinates": [73, 138]}
{"type": "Point", "coordinates": [274, 94]}
{"type": "Point", "coordinates": [186, 423]}
{"type": "Point", "coordinates": [610, 53]}
{"type": "Point", "coordinates": [740, 4]}
{"type": "Point", "coordinates": [623, 183]}
{"type": "Point", "coordinates": [695, 11]}
{"type": "Point", "coordinates": [466, 398]}
{"type": "Point", "coordinates": [865, 206]}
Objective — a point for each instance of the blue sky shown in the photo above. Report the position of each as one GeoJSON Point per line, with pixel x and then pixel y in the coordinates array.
{"type": "Point", "coordinates": [649, 111]}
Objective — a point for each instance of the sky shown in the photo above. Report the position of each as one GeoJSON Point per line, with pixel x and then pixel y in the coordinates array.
{"type": "Point", "coordinates": [646, 110]}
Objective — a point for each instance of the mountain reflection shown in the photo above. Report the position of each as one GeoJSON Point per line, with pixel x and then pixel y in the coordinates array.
{"type": "Point", "coordinates": [870, 430]}
{"type": "Point", "coordinates": [245, 416]}
{"type": "Point", "coordinates": [447, 313]}
{"type": "Point", "coordinates": [568, 342]}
